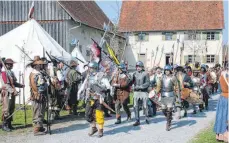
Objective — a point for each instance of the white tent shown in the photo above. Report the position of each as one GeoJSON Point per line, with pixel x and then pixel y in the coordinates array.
{"type": "Point", "coordinates": [31, 37]}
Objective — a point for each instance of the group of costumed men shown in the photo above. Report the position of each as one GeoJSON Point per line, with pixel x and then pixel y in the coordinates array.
{"type": "Point", "coordinates": [170, 89]}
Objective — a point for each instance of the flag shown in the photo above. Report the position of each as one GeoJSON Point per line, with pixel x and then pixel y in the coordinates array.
{"type": "Point", "coordinates": [31, 11]}
{"type": "Point", "coordinates": [112, 54]}
{"type": "Point", "coordinates": [96, 52]}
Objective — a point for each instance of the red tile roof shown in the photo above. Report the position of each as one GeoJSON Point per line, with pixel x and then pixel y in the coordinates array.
{"type": "Point", "coordinates": [171, 15]}
{"type": "Point", "coordinates": [87, 12]}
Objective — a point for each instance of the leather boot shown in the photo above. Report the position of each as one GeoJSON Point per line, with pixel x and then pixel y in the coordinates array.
{"type": "Point", "coordinates": [169, 120]}
{"type": "Point", "coordinates": [93, 131]}
{"type": "Point", "coordinates": [5, 127]}
{"type": "Point", "coordinates": [100, 133]}
{"type": "Point", "coordinates": [118, 120]}
{"type": "Point", "coordinates": [38, 131]}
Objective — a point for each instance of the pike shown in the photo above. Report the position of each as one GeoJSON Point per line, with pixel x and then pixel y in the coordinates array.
{"type": "Point", "coordinates": [155, 56]}
{"type": "Point", "coordinates": [62, 62]}
{"type": "Point", "coordinates": [162, 50]}
{"type": "Point", "coordinates": [178, 41]}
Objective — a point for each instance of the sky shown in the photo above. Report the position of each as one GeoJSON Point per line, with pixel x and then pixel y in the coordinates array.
{"type": "Point", "coordinates": [112, 9]}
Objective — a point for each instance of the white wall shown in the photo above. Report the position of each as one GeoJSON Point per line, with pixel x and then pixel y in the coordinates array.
{"type": "Point", "coordinates": [155, 39]}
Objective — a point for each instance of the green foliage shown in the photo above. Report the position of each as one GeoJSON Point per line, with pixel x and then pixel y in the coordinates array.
{"type": "Point", "coordinates": [205, 136]}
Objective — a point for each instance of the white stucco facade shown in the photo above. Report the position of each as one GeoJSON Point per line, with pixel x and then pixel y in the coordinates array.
{"type": "Point", "coordinates": [152, 57]}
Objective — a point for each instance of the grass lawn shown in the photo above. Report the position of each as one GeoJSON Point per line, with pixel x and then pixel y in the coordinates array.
{"type": "Point", "coordinates": [205, 136]}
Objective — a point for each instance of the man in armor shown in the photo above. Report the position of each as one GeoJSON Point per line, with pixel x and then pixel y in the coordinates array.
{"type": "Point", "coordinates": [39, 89]}
{"type": "Point", "coordinates": [73, 80]}
{"type": "Point", "coordinates": [196, 88]}
{"type": "Point", "coordinates": [203, 86]}
{"type": "Point", "coordinates": [8, 95]}
{"type": "Point", "coordinates": [141, 82]}
{"type": "Point", "coordinates": [167, 87]}
{"type": "Point", "coordinates": [95, 94]}
{"type": "Point", "coordinates": [121, 82]}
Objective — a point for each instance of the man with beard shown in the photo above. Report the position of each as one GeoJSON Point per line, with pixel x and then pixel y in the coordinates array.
{"type": "Point", "coordinates": [141, 82]}
{"type": "Point", "coordinates": [39, 89]}
{"type": "Point", "coordinates": [167, 87]}
{"type": "Point", "coordinates": [121, 82]}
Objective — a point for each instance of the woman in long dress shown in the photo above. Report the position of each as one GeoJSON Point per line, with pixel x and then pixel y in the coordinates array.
{"type": "Point", "coordinates": [221, 123]}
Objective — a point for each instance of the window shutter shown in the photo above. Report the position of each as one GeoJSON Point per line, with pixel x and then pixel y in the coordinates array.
{"type": "Point", "coordinates": [163, 37]}
{"type": "Point", "coordinates": [174, 37]}
{"type": "Point", "coordinates": [147, 37]}
{"type": "Point", "coordinates": [185, 59]}
{"type": "Point", "coordinates": [204, 59]}
{"type": "Point", "coordinates": [216, 35]}
{"type": "Point", "coordinates": [204, 36]}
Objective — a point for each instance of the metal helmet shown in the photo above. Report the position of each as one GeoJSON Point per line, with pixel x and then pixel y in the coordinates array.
{"type": "Point", "coordinates": [175, 66]}
{"type": "Point", "coordinates": [203, 66]}
{"type": "Point", "coordinates": [93, 65]}
{"type": "Point", "coordinates": [168, 67]}
{"type": "Point", "coordinates": [140, 64]}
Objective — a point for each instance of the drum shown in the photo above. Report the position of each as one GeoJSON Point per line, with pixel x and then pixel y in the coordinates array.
{"type": "Point", "coordinates": [194, 98]}
{"type": "Point", "coordinates": [185, 92]}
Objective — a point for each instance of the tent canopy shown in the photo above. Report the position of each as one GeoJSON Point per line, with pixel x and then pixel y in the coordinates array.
{"type": "Point", "coordinates": [35, 41]}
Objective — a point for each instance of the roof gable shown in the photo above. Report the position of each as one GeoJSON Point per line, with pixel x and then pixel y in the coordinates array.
{"type": "Point", "coordinates": [86, 12]}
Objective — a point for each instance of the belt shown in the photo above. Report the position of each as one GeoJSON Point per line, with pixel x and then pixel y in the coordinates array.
{"type": "Point", "coordinates": [167, 94]}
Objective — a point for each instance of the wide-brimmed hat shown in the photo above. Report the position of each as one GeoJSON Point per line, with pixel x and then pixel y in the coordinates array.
{"type": "Point", "coordinates": [37, 61]}
{"type": "Point", "coordinates": [9, 61]}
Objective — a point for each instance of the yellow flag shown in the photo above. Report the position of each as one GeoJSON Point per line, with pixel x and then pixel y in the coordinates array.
{"type": "Point", "coordinates": [112, 54]}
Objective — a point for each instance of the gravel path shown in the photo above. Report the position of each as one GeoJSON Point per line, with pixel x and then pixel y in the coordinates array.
{"type": "Point", "coordinates": [183, 130]}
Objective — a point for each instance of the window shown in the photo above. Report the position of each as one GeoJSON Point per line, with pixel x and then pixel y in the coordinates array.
{"type": "Point", "coordinates": [210, 58]}
{"type": "Point", "coordinates": [88, 53]}
{"type": "Point", "coordinates": [142, 37]}
{"type": "Point", "coordinates": [168, 36]}
{"type": "Point", "coordinates": [210, 35]}
{"type": "Point", "coordinates": [142, 57]}
{"type": "Point", "coordinates": [193, 35]}
{"type": "Point", "coordinates": [80, 48]}
{"type": "Point", "coordinates": [190, 58]}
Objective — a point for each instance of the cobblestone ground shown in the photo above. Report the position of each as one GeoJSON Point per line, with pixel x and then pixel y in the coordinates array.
{"type": "Point", "coordinates": [75, 131]}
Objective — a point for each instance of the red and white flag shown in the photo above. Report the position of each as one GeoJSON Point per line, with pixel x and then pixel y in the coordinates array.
{"type": "Point", "coordinates": [31, 11]}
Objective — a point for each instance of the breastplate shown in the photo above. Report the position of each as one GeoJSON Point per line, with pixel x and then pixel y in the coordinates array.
{"type": "Point", "coordinates": [167, 85]}
{"type": "Point", "coordinates": [139, 78]}
{"type": "Point", "coordinates": [196, 83]}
